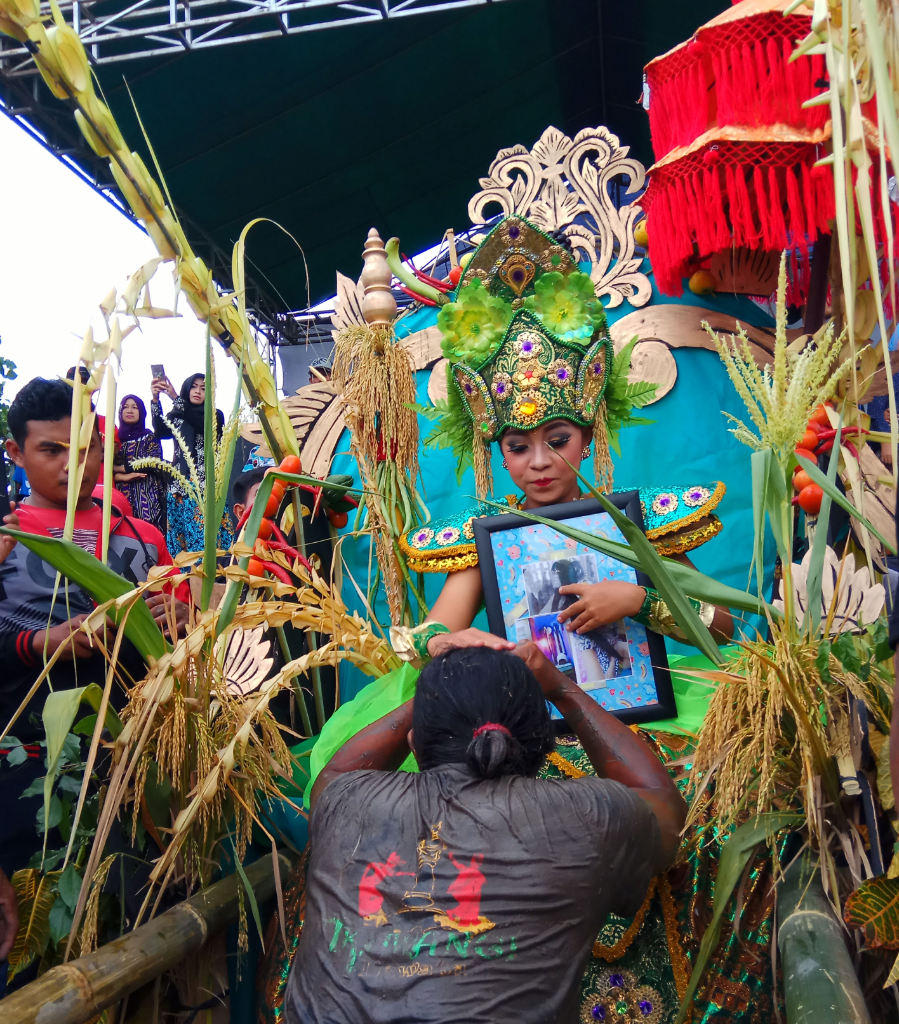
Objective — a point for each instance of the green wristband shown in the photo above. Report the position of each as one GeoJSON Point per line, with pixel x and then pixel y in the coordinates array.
{"type": "Point", "coordinates": [422, 636]}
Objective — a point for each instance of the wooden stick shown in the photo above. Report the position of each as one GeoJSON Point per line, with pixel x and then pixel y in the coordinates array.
{"type": "Point", "coordinates": [78, 991]}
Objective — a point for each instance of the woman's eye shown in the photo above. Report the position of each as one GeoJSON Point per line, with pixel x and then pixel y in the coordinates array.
{"type": "Point", "coordinates": [516, 449]}
{"type": "Point", "coordinates": [559, 442]}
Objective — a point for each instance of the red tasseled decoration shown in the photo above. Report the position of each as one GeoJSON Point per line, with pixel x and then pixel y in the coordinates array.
{"type": "Point", "coordinates": [678, 104]}
{"type": "Point", "coordinates": [794, 208]}
{"type": "Point", "coordinates": [750, 234]}
{"type": "Point", "coordinates": [683, 222]}
{"type": "Point", "coordinates": [761, 206]}
{"type": "Point", "coordinates": [711, 180]}
{"type": "Point", "coordinates": [825, 200]}
{"type": "Point", "coordinates": [705, 234]}
{"type": "Point", "coordinates": [775, 211]}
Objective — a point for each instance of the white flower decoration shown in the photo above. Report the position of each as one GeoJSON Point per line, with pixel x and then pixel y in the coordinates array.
{"type": "Point", "coordinates": [858, 602]}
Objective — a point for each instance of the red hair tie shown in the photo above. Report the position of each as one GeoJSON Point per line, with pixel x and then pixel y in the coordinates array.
{"type": "Point", "coordinates": [490, 727]}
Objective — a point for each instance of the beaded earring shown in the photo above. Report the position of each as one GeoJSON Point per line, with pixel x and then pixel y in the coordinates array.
{"type": "Point", "coordinates": [585, 454]}
{"type": "Point", "coordinates": [505, 464]}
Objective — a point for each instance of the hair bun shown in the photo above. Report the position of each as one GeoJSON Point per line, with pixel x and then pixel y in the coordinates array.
{"type": "Point", "coordinates": [493, 752]}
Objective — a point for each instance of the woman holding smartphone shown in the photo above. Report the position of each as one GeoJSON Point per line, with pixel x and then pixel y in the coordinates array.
{"type": "Point", "coordinates": [185, 424]}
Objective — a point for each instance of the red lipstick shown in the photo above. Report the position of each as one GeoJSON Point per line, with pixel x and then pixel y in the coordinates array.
{"type": "Point", "coordinates": [544, 482]}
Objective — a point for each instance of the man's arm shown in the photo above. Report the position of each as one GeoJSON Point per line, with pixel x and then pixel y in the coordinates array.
{"type": "Point", "coordinates": [382, 746]}
{"type": "Point", "coordinates": [615, 752]}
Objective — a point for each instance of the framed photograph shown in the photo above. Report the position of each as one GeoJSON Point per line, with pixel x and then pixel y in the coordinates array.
{"type": "Point", "coordinates": [622, 665]}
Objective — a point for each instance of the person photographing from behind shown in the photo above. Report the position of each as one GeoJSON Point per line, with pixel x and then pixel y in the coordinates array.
{"type": "Point", "coordinates": [473, 891]}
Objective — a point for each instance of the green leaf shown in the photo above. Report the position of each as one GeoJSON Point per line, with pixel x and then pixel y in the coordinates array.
{"type": "Point", "coordinates": [874, 908]}
{"type": "Point", "coordinates": [822, 661]}
{"type": "Point", "coordinates": [735, 855]}
{"type": "Point", "coordinates": [248, 889]}
{"type": "Point", "coordinates": [837, 495]}
{"type": "Point", "coordinates": [880, 638]}
{"type": "Point", "coordinates": [758, 463]}
{"type": "Point", "coordinates": [844, 649]}
{"type": "Point", "coordinates": [69, 886]}
{"type": "Point", "coordinates": [60, 709]}
{"type": "Point", "coordinates": [101, 583]}
{"type": "Point", "coordinates": [53, 819]}
{"type": "Point", "coordinates": [60, 921]}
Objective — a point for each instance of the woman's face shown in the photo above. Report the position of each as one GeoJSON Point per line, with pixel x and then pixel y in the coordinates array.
{"type": "Point", "coordinates": [198, 392]}
{"type": "Point", "coordinates": [535, 461]}
{"type": "Point", "coordinates": [130, 411]}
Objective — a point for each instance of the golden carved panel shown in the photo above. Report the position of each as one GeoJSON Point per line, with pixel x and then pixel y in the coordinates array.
{"type": "Point", "coordinates": [562, 185]}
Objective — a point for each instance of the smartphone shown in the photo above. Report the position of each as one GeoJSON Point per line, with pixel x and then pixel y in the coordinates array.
{"type": "Point", "coordinates": [158, 371]}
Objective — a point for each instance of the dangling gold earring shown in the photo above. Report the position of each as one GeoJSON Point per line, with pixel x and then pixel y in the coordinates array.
{"type": "Point", "coordinates": [585, 454]}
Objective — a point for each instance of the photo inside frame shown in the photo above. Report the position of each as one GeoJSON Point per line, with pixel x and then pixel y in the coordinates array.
{"type": "Point", "coordinates": [534, 564]}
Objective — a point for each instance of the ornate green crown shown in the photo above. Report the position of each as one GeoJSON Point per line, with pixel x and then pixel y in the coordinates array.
{"type": "Point", "coordinates": [527, 342]}
{"type": "Point", "coordinates": [534, 377]}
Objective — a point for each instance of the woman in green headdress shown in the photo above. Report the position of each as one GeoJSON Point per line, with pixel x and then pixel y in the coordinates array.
{"type": "Point", "coordinates": [531, 367]}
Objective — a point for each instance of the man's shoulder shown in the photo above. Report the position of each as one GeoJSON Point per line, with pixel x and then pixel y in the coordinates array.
{"type": "Point", "coordinates": [149, 535]}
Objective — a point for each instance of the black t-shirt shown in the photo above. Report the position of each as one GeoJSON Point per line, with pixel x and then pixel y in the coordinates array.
{"type": "Point", "coordinates": [441, 898]}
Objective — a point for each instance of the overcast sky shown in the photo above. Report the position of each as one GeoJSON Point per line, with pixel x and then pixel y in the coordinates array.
{"type": "Point", "coordinates": [62, 248]}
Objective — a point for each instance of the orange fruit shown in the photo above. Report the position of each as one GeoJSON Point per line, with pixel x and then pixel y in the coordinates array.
{"type": "Point", "coordinates": [801, 480]}
{"type": "Point", "coordinates": [810, 499]}
{"type": "Point", "coordinates": [254, 567]}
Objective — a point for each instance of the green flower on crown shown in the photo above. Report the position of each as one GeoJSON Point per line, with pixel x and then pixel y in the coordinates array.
{"type": "Point", "coordinates": [473, 325]}
{"type": "Point", "coordinates": [565, 304]}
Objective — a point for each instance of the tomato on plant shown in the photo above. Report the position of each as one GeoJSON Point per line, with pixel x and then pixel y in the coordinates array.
{"type": "Point", "coordinates": [820, 417]}
{"type": "Point", "coordinates": [254, 567]}
{"type": "Point", "coordinates": [265, 529]}
{"type": "Point", "coordinates": [278, 491]}
{"type": "Point", "coordinates": [291, 464]}
{"type": "Point", "coordinates": [271, 506]}
{"type": "Point", "coordinates": [808, 440]}
{"type": "Point", "coordinates": [810, 499]}
{"type": "Point", "coordinates": [454, 275]}
{"type": "Point", "coordinates": [804, 453]}
{"type": "Point", "coordinates": [337, 519]}
{"type": "Point", "coordinates": [801, 480]}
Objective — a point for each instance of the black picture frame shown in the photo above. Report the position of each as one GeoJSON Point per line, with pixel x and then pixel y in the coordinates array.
{"type": "Point", "coordinates": [629, 503]}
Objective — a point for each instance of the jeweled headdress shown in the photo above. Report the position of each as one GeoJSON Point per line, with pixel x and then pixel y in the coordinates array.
{"type": "Point", "coordinates": [527, 342]}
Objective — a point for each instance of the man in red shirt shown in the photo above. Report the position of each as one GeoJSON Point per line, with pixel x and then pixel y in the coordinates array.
{"type": "Point", "coordinates": [36, 618]}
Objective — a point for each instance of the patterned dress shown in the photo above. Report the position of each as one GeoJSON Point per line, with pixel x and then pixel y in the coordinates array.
{"type": "Point", "coordinates": [147, 496]}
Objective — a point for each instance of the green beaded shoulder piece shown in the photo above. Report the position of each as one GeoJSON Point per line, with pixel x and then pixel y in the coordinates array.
{"type": "Point", "coordinates": [676, 520]}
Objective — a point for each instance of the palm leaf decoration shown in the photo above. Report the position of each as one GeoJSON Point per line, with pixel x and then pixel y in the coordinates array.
{"type": "Point", "coordinates": [35, 896]}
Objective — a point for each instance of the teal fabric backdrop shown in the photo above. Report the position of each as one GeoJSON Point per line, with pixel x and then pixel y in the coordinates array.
{"type": "Point", "coordinates": [688, 444]}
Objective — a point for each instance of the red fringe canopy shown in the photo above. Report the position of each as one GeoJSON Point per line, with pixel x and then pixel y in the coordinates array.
{"type": "Point", "coordinates": [737, 73]}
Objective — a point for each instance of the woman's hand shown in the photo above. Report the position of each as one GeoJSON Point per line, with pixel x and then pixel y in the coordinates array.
{"type": "Point", "coordinates": [600, 604]}
{"type": "Point", "coordinates": [470, 637]}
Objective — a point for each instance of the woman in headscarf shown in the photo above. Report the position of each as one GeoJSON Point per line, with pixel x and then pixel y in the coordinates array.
{"type": "Point", "coordinates": [144, 488]}
{"type": "Point", "coordinates": [186, 420]}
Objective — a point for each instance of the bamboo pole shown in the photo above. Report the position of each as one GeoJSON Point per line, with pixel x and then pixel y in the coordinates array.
{"type": "Point", "coordinates": [820, 983]}
{"type": "Point", "coordinates": [78, 991]}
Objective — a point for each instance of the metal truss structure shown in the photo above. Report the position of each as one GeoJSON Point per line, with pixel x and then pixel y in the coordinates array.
{"type": "Point", "coordinates": [121, 31]}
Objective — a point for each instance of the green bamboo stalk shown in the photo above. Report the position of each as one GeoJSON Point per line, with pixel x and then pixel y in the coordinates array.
{"type": "Point", "coordinates": [820, 983]}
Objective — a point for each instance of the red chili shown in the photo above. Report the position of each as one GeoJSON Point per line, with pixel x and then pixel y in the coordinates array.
{"type": "Point", "coordinates": [282, 545]}
{"type": "Point", "coordinates": [434, 282]}
{"type": "Point", "coordinates": [853, 451]}
{"type": "Point", "coordinates": [242, 522]}
{"type": "Point", "coordinates": [278, 571]}
{"type": "Point", "coordinates": [416, 296]}
{"type": "Point", "coordinates": [824, 448]}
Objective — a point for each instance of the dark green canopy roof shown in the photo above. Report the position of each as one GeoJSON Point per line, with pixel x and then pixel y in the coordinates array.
{"type": "Point", "coordinates": [388, 124]}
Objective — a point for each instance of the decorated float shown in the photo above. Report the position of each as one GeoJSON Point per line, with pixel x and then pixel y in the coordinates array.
{"type": "Point", "coordinates": [749, 446]}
